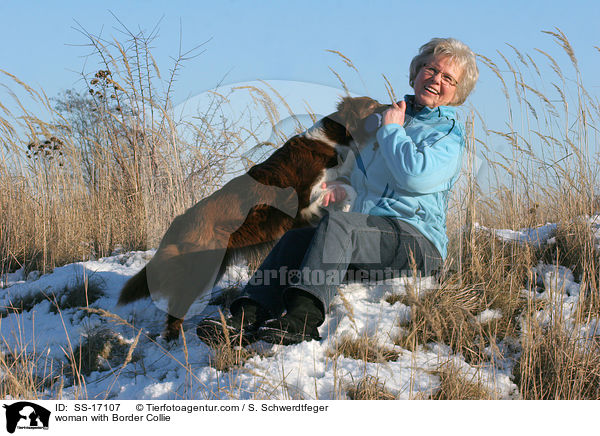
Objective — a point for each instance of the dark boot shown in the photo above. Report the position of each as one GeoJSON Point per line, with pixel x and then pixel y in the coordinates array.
{"type": "Point", "coordinates": [299, 323]}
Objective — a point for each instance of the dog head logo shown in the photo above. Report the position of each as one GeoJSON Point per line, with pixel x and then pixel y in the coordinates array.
{"type": "Point", "coordinates": [26, 415]}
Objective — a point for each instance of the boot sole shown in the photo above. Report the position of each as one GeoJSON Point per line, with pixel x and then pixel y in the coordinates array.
{"type": "Point", "coordinates": [282, 337]}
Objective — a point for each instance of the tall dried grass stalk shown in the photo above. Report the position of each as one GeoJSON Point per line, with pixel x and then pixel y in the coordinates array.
{"type": "Point", "coordinates": [106, 166]}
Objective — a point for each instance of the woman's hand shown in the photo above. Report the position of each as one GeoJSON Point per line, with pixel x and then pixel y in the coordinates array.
{"type": "Point", "coordinates": [336, 192]}
{"type": "Point", "coordinates": [395, 114]}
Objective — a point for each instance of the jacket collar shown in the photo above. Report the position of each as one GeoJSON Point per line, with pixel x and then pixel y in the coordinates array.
{"type": "Point", "coordinates": [426, 112]}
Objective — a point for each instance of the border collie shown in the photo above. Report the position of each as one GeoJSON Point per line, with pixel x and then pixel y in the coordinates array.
{"type": "Point", "coordinates": [245, 218]}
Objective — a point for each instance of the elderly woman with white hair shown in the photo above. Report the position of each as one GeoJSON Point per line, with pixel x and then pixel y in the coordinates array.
{"type": "Point", "coordinates": [398, 222]}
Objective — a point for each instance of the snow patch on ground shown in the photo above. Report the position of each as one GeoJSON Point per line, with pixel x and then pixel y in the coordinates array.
{"type": "Point", "coordinates": [537, 236]}
{"type": "Point", "coordinates": [181, 370]}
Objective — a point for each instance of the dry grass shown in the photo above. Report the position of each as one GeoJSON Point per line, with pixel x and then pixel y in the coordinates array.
{"type": "Point", "coordinates": [228, 356]}
{"type": "Point", "coordinates": [100, 349]}
{"type": "Point", "coordinates": [445, 316]}
{"type": "Point", "coordinates": [363, 348]}
{"type": "Point", "coordinates": [369, 388]}
{"type": "Point", "coordinates": [397, 298]}
{"type": "Point", "coordinates": [455, 385]}
{"type": "Point", "coordinates": [499, 271]}
{"type": "Point", "coordinates": [575, 249]}
{"type": "Point", "coordinates": [18, 378]}
{"type": "Point", "coordinates": [25, 373]}
{"type": "Point", "coordinates": [105, 166]}
{"type": "Point", "coordinates": [556, 365]}
{"type": "Point", "coordinates": [548, 174]}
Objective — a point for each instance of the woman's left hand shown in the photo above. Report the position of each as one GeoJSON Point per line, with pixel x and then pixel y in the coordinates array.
{"type": "Point", "coordinates": [395, 114]}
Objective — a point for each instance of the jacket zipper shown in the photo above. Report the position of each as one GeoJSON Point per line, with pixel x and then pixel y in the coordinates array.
{"type": "Point", "coordinates": [375, 146]}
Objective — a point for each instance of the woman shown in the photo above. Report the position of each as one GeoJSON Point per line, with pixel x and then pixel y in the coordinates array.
{"type": "Point", "coordinates": [398, 223]}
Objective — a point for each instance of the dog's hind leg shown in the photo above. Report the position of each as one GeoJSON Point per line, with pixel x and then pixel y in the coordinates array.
{"type": "Point", "coordinates": [173, 328]}
{"type": "Point", "coordinates": [182, 280]}
{"type": "Point", "coordinates": [180, 304]}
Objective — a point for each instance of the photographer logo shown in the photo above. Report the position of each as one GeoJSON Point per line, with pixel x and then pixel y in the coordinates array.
{"type": "Point", "coordinates": [26, 415]}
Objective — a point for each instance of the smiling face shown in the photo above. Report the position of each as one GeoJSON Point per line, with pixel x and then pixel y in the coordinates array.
{"type": "Point", "coordinates": [432, 89]}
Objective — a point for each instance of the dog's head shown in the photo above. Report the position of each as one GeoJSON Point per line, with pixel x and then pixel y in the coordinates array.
{"type": "Point", "coordinates": [348, 123]}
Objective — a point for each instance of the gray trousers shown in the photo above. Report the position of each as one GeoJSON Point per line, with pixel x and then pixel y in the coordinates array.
{"type": "Point", "coordinates": [345, 246]}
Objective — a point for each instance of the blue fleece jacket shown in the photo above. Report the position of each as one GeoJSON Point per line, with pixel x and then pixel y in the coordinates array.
{"type": "Point", "coordinates": [407, 171]}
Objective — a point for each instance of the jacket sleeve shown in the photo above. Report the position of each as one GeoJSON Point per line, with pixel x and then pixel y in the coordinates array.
{"type": "Point", "coordinates": [426, 167]}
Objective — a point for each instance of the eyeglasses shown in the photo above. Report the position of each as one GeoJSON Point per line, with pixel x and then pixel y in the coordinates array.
{"type": "Point", "coordinates": [447, 79]}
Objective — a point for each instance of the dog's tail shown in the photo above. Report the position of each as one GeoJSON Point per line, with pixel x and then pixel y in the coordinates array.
{"type": "Point", "coordinates": [135, 289]}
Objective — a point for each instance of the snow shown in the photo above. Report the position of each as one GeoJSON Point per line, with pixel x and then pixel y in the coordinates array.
{"type": "Point", "coordinates": [536, 236]}
{"type": "Point", "coordinates": [489, 315]}
{"type": "Point", "coordinates": [12, 278]}
{"type": "Point", "coordinates": [181, 370]}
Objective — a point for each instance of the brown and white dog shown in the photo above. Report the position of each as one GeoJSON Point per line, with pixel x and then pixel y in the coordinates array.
{"type": "Point", "coordinates": [251, 212]}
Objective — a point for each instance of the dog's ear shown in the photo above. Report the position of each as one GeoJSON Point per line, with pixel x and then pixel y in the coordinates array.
{"type": "Point", "coordinates": [357, 107]}
{"type": "Point", "coordinates": [351, 107]}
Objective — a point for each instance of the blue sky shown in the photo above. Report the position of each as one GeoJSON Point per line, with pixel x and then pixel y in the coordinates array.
{"type": "Point", "coordinates": [249, 40]}
{"type": "Point", "coordinates": [287, 40]}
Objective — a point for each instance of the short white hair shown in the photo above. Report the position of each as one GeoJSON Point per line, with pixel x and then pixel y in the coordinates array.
{"type": "Point", "coordinates": [460, 53]}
